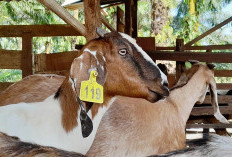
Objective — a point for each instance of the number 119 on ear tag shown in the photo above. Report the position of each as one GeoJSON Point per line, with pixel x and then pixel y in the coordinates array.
{"type": "Point", "coordinates": [90, 90]}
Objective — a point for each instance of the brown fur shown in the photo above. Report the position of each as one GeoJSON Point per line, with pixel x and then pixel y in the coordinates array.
{"type": "Point", "coordinates": [34, 88]}
{"type": "Point", "coordinates": [12, 146]}
{"type": "Point", "coordinates": [136, 127]}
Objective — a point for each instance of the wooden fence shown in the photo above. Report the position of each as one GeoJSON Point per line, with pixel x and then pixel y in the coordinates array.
{"type": "Point", "coordinates": [59, 63]}
{"type": "Point", "coordinates": [23, 59]}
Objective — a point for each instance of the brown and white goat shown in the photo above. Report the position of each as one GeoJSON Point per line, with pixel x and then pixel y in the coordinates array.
{"type": "Point", "coordinates": [136, 127]}
{"type": "Point", "coordinates": [123, 69]}
{"type": "Point", "coordinates": [33, 88]}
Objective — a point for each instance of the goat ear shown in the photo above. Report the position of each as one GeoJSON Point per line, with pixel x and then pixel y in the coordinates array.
{"type": "Point", "coordinates": [214, 101]}
{"type": "Point", "coordinates": [210, 65]}
{"type": "Point", "coordinates": [101, 32]}
{"type": "Point", "coordinates": [193, 61]}
{"type": "Point", "coordinates": [80, 71]}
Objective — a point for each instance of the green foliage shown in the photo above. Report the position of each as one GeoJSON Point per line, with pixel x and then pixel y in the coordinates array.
{"type": "Point", "coordinates": [30, 12]}
{"type": "Point", "coordinates": [7, 75]}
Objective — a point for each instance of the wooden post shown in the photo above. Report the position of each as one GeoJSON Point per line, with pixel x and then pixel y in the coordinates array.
{"type": "Point", "coordinates": [134, 19]}
{"type": "Point", "coordinates": [92, 18]}
{"type": "Point", "coordinates": [26, 60]}
{"type": "Point", "coordinates": [120, 23]}
{"type": "Point", "coordinates": [180, 66]}
{"type": "Point", "coordinates": [128, 15]}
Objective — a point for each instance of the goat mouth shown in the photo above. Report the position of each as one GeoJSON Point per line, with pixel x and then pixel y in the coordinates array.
{"type": "Point", "coordinates": [155, 96]}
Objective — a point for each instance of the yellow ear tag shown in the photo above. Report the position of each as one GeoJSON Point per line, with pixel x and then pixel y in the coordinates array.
{"type": "Point", "coordinates": [90, 90]}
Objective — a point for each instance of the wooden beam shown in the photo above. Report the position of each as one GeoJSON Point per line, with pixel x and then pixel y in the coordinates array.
{"type": "Point", "coordinates": [4, 85]}
{"type": "Point", "coordinates": [134, 19]}
{"type": "Point", "coordinates": [63, 14]}
{"type": "Point", "coordinates": [128, 17]}
{"type": "Point", "coordinates": [227, 86]}
{"type": "Point", "coordinates": [10, 59]}
{"type": "Point", "coordinates": [185, 56]}
{"type": "Point", "coordinates": [221, 99]}
{"type": "Point", "coordinates": [223, 73]}
{"type": "Point", "coordinates": [120, 23]}
{"type": "Point", "coordinates": [206, 47]}
{"type": "Point", "coordinates": [106, 23]}
{"type": "Point", "coordinates": [209, 31]}
{"type": "Point", "coordinates": [38, 30]}
{"type": "Point", "coordinates": [54, 62]}
{"type": "Point", "coordinates": [215, 126]}
{"type": "Point", "coordinates": [147, 43]}
{"type": "Point", "coordinates": [180, 66]}
{"type": "Point", "coordinates": [26, 58]}
{"type": "Point", "coordinates": [92, 18]}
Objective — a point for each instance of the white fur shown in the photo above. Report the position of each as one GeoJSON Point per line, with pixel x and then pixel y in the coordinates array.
{"type": "Point", "coordinates": [104, 59]}
{"type": "Point", "coordinates": [145, 55]}
{"type": "Point", "coordinates": [68, 2]}
{"type": "Point", "coordinates": [40, 123]}
{"type": "Point", "coordinates": [94, 53]}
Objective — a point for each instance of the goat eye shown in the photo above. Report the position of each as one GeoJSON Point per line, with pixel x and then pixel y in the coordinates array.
{"type": "Point", "coordinates": [122, 52]}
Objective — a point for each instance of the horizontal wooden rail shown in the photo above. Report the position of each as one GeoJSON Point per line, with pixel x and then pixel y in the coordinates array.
{"type": "Point", "coordinates": [185, 56]}
{"type": "Point", "coordinates": [223, 73]}
{"type": "Point", "coordinates": [37, 30]}
{"type": "Point", "coordinates": [208, 126]}
{"type": "Point", "coordinates": [54, 62]}
{"type": "Point", "coordinates": [221, 99]}
{"type": "Point", "coordinates": [206, 47]}
{"type": "Point", "coordinates": [224, 86]}
{"type": "Point", "coordinates": [10, 59]}
{"type": "Point", "coordinates": [208, 110]}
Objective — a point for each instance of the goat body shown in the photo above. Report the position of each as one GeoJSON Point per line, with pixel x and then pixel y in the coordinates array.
{"type": "Point", "coordinates": [33, 88]}
{"type": "Point", "coordinates": [55, 121]}
{"type": "Point", "coordinates": [136, 127]}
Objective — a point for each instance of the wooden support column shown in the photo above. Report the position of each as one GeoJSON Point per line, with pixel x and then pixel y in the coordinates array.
{"type": "Point", "coordinates": [92, 18]}
{"type": "Point", "coordinates": [134, 19]}
{"type": "Point", "coordinates": [26, 59]}
{"type": "Point", "coordinates": [120, 23]}
{"type": "Point", "coordinates": [128, 17]}
{"type": "Point", "coordinates": [180, 66]}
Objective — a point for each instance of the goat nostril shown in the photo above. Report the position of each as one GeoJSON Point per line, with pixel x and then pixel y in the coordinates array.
{"type": "Point", "coordinates": [165, 84]}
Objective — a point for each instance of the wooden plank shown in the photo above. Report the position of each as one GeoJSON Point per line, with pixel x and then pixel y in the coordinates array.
{"type": "Point", "coordinates": [206, 47]}
{"type": "Point", "coordinates": [209, 47]}
{"type": "Point", "coordinates": [37, 30]}
{"type": "Point", "coordinates": [4, 85]}
{"type": "Point", "coordinates": [147, 43]}
{"type": "Point", "coordinates": [65, 15]}
{"type": "Point", "coordinates": [54, 62]}
{"type": "Point", "coordinates": [106, 23]}
{"type": "Point", "coordinates": [208, 110]}
{"type": "Point", "coordinates": [209, 31]}
{"type": "Point", "coordinates": [134, 19]}
{"type": "Point", "coordinates": [185, 56]}
{"type": "Point", "coordinates": [221, 99]}
{"type": "Point", "coordinates": [223, 73]}
{"type": "Point", "coordinates": [128, 17]}
{"type": "Point", "coordinates": [120, 24]}
{"type": "Point", "coordinates": [160, 48]}
{"type": "Point", "coordinates": [26, 58]}
{"type": "Point", "coordinates": [215, 126]}
{"type": "Point", "coordinates": [92, 18]}
{"type": "Point", "coordinates": [10, 59]}
{"type": "Point", "coordinates": [224, 86]}
{"type": "Point", "coordinates": [180, 66]}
